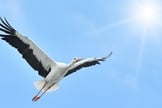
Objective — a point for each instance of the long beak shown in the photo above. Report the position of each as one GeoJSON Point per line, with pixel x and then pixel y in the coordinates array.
{"type": "Point", "coordinates": [79, 59]}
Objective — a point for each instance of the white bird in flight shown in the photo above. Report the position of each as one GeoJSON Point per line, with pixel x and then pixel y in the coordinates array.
{"type": "Point", "coordinates": [52, 71]}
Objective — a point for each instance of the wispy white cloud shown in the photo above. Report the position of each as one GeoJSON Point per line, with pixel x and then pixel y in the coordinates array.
{"type": "Point", "coordinates": [107, 27]}
{"type": "Point", "coordinates": [92, 29]}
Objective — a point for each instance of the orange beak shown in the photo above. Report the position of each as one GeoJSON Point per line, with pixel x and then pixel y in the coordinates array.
{"type": "Point", "coordinates": [79, 59]}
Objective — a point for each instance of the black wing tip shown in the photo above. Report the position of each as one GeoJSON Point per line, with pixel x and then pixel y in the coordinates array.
{"type": "Point", "coordinates": [6, 27]}
{"type": "Point", "coordinates": [107, 56]}
{"type": "Point", "coordinates": [1, 18]}
{"type": "Point", "coordinates": [104, 58]}
{"type": "Point", "coordinates": [110, 54]}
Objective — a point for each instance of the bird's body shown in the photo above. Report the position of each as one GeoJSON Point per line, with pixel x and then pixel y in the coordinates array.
{"type": "Point", "coordinates": [51, 70]}
{"type": "Point", "coordinates": [57, 72]}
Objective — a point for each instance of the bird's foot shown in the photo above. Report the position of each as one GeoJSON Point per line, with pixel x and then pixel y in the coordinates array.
{"type": "Point", "coordinates": [35, 98]}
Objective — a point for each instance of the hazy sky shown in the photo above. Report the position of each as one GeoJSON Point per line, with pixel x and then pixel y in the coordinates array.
{"type": "Point", "coordinates": [130, 78]}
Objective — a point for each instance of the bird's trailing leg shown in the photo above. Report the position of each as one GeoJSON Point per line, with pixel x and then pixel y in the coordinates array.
{"type": "Point", "coordinates": [36, 97]}
{"type": "Point", "coordinates": [45, 91]}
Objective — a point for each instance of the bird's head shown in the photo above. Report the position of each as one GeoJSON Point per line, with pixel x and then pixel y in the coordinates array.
{"type": "Point", "coordinates": [76, 59]}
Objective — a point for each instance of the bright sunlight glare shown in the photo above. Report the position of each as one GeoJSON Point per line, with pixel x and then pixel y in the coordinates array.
{"type": "Point", "coordinates": [146, 14]}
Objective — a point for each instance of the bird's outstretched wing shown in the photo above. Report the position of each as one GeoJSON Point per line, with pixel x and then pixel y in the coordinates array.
{"type": "Point", "coordinates": [36, 58]}
{"type": "Point", "coordinates": [86, 63]}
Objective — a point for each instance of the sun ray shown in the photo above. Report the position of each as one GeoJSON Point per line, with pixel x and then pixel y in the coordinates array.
{"type": "Point", "coordinates": [140, 56]}
{"type": "Point", "coordinates": [110, 26]}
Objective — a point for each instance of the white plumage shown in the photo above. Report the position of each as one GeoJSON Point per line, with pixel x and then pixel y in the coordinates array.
{"type": "Point", "coordinates": [52, 71]}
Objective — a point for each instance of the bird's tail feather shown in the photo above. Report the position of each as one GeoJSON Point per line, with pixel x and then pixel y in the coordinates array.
{"type": "Point", "coordinates": [39, 84]}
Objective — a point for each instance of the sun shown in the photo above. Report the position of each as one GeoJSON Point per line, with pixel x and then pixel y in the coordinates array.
{"type": "Point", "coordinates": [146, 14]}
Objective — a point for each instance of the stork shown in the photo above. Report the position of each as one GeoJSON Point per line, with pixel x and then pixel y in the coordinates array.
{"type": "Point", "coordinates": [52, 71]}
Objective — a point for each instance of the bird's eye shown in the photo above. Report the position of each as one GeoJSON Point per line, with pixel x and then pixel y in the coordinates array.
{"type": "Point", "coordinates": [74, 58]}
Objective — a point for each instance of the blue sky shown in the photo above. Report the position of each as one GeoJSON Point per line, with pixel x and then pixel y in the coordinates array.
{"type": "Point", "coordinates": [130, 78]}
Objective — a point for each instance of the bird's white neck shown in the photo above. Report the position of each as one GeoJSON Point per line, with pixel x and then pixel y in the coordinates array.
{"type": "Point", "coordinates": [71, 64]}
